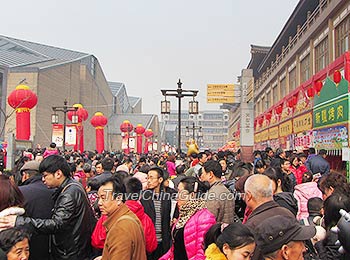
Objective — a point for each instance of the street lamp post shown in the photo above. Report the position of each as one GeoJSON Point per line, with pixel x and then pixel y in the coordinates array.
{"type": "Point", "coordinates": [179, 93]}
{"type": "Point", "coordinates": [194, 128]}
{"type": "Point", "coordinates": [65, 109]}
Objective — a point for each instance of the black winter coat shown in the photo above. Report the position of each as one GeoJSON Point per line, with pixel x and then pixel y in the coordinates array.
{"type": "Point", "coordinates": [38, 204]}
{"type": "Point", "coordinates": [71, 224]}
{"type": "Point", "coordinates": [148, 205]}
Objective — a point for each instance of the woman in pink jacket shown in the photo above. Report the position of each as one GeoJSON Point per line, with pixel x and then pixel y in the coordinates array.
{"type": "Point", "coordinates": [303, 192]}
{"type": "Point", "coordinates": [194, 221]}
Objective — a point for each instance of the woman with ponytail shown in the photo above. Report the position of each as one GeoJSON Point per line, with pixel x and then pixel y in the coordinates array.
{"type": "Point", "coordinates": [233, 242]}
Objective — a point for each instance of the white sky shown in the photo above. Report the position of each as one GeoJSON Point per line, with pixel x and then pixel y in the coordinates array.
{"type": "Point", "coordinates": [150, 44]}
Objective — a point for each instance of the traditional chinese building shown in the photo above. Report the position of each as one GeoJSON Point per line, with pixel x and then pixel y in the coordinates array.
{"type": "Point", "coordinates": [297, 103]}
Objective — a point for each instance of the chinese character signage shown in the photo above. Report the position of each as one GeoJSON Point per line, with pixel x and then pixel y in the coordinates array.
{"type": "Point", "coordinates": [302, 123]}
{"type": "Point", "coordinates": [303, 141]}
{"type": "Point", "coordinates": [273, 132]}
{"type": "Point", "coordinates": [331, 138]}
{"type": "Point", "coordinates": [265, 135]}
{"type": "Point", "coordinates": [331, 113]}
{"type": "Point", "coordinates": [286, 128]}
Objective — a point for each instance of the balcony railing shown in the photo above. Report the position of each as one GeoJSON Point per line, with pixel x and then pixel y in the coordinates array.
{"type": "Point", "coordinates": [301, 30]}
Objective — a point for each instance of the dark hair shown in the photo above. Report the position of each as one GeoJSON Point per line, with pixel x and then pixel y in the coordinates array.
{"type": "Point", "coordinates": [107, 164]}
{"type": "Point", "coordinates": [192, 184]}
{"type": "Point", "coordinates": [54, 163]}
{"type": "Point", "coordinates": [200, 155]}
{"type": "Point", "coordinates": [121, 174]}
{"type": "Point", "coordinates": [268, 149]}
{"type": "Point", "coordinates": [118, 186]}
{"type": "Point", "coordinates": [133, 186]}
{"type": "Point", "coordinates": [292, 158]}
{"type": "Point", "coordinates": [275, 174]}
{"type": "Point", "coordinates": [94, 184]}
{"type": "Point", "coordinates": [307, 177]}
{"type": "Point", "coordinates": [52, 145]}
{"type": "Point", "coordinates": [180, 169]}
{"type": "Point", "coordinates": [312, 150]}
{"type": "Point", "coordinates": [300, 155]}
{"type": "Point", "coordinates": [144, 168]}
{"type": "Point", "coordinates": [235, 235]}
{"type": "Point", "coordinates": [322, 152]}
{"type": "Point", "coordinates": [314, 205]}
{"type": "Point", "coordinates": [279, 151]}
{"type": "Point", "coordinates": [332, 205]}
{"type": "Point", "coordinates": [335, 180]}
{"type": "Point", "coordinates": [260, 164]}
{"type": "Point", "coordinates": [159, 170]}
{"type": "Point", "coordinates": [10, 237]}
{"type": "Point", "coordinates": [213, 166]}
{"type": "Point", "coordinates": [10, 194]}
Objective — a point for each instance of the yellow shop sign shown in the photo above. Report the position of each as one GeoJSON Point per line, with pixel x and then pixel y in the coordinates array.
{"type": "Point", "coordinates": [302, 123]}
{"type": "Point", "coordinates": [286, 128]}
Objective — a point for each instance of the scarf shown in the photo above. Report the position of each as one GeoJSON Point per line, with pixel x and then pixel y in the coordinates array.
{"type": "Point", "coordinates": [188, 210]}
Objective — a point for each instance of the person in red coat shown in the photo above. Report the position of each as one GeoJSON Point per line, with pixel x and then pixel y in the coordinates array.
{"type": "Point", "coordinates": [133, 188]}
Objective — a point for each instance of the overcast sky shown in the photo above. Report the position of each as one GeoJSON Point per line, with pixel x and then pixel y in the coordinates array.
{"type": "Point", "coordinates": [150, 44]}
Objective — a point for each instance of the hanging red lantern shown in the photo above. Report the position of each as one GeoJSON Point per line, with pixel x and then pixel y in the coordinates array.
{"type": "Point", "coordinates": [261, 121]}
{"type": "Point", "coordinates": [139, 130]}
{"type": "Point", "coordinates": [126, 126]}
{"type": "Point", "coordinates": [268, 116]}
{"type": "Point", "coordinates": [148, 134]}
{"type": "Point", "coordinates": [22, 99]}
{"type": "Point", "coordinates": [279, 109]}
{"type": "Point", "coordinates": [337, 76]}
{"type": "Point", "coordinates": [310, 92]}
{"type": "Point", "coordinates": [82, 114]}
{"type": "Point", "coordinates": [318, 86]}
{"type": "Point", "coordinates": [99, 121]}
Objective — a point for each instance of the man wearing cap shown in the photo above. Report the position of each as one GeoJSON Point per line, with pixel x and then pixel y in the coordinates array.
{"type": "Point", "coordinates": [38, 204]}
{"type": "Point", "coordinates": [282, 237]}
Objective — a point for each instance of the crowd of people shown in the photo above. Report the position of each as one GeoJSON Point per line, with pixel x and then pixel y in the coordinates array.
{"type": "Point", "coordinates": [210, 205]}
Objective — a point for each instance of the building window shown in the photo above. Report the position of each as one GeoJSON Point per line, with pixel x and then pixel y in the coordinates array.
{"type": "Point", "coordinates": [264, 107]}
{"type": "Point", "coordinates": [283, 87]}
{"type": "Point", "coordinates": [305, 69]}
{"type": "Point", "coordinates": [292, 79]}
{"type": "Point", "coordinates": [321, 55]}
{"type": "Point", "coordinates": [275, 94]}
{"type": "Point", "coordinates": [342, 39]}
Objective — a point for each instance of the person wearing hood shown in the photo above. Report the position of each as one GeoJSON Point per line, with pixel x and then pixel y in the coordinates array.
{"type": "Point", "coordinates": [303, 192]}
{"type": "Point", "coordinates": [281, 185]}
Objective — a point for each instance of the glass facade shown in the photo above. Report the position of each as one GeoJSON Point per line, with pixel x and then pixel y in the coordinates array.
{"type": "Point", "coordinates": [342, 38]}
{"type": "Point", "coordinates": [321, 55]}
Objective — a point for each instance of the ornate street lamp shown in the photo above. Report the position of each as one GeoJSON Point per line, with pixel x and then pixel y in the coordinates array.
{"type": "Point", "coordinates": [65, 109]}
{"type": "Point", "coordinates": [179, 93]}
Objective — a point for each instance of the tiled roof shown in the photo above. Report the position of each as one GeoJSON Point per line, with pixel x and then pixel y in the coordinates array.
{"type": "Point", "coordinates": [19, 53]}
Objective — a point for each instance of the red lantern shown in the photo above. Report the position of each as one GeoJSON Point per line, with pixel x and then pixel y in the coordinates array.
{"type": "Point", "coordinates": [268, 116]}
{"type": "Point", "coordinates": [99, 121]}
{"type": "Point", "coordinates": [148, 134]}
{"type": "Point", "coordinates": [22, 99]}
{"type": "Point", "coordinates": [139, 130]}
{"type": "Point", "coordinates": [337, 76]}
{"type": "Point", "coordinates": [310, 92]}
{"type": "Point", "coordinates": [126, 127]}
{"type": "Point", "coordinates": [279, 109]}
{"type": "Point", "coordinates": [82, 114]}
{"type": "Point", "coordinates": [318, 86]}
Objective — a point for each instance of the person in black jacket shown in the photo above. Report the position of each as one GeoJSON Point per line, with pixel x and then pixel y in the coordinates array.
{"type": "Point", "coordinates": [38, 203]}
{"type": "Point", "coordinates": [72, 221]}
{"type": "Point", "coordinates": [157, 204]}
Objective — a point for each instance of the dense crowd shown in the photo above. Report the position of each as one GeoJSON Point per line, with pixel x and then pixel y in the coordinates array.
{"type": "Point", "coordinates": [210, 205]}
